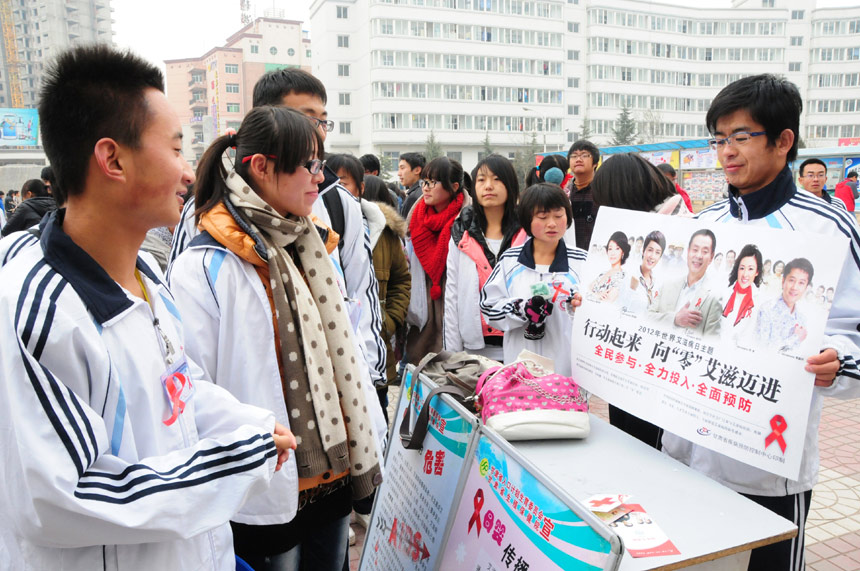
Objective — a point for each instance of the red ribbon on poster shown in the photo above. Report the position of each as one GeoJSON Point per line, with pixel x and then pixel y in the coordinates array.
{"type": "Point", "coordinates": [476, 516]}
{"type": "Point", "coordinates": [778, 424]}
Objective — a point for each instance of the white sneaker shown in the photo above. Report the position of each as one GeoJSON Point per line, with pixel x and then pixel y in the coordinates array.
{"type": "Point", "coordinates": [362, 519]}
{"type": "Point", "coordinates": [351, 536]}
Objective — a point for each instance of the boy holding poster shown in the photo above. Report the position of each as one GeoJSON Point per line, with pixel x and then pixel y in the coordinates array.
{"type": "Point", "coordinates": [755, 123]}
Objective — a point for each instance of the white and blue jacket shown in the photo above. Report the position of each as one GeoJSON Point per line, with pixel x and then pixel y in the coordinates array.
{"type": "Point", "coordinates": [510, 285]}
{"type": "Point", "coordinates": [93, 477]}
{"type": "Point", "coordinates": [781, 205]}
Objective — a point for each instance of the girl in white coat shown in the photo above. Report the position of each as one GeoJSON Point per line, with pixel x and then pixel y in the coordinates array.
{"type": "Point", "coordinates": [531, 287]}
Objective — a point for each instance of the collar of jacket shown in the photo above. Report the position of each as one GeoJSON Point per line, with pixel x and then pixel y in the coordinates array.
{"type": "Point", "coordinates": [331, 179]}
{"type": "Point", "coordinates": [468, 221]}
{"type": "Point", "coordinates": [559, 263]}
{"type": "Point", "coordinates": [764, 201]}
{"type": "Point", "coordinates": [103, 297]}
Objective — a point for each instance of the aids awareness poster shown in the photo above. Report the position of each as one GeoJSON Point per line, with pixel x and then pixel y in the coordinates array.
{"type": "Point", "coordinates": [507, 519]}
{"type": "Point", "coordinates": [704, 329]}
{"type": "Point", "coordinates": [413, 504]}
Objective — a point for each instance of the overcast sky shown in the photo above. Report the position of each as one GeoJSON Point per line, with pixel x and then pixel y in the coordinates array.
{"type": "Point", "coordinates": [174, 29]}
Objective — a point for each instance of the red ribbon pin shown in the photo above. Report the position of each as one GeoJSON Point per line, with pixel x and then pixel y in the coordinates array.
{"type": "Point", "coordinates": [778, 425]}
{"type": "Point", "coordinates": [476, 516]}
{"type": "Point", "coordinates": [175, 384]}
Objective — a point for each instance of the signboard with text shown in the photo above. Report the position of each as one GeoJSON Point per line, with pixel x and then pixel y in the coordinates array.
{"type": "Point", "coordinates": [510, 518]}
{"type": "Point", "coordinates": [414, 502]}
{"type": "Point", "coordinates": [705, 330]}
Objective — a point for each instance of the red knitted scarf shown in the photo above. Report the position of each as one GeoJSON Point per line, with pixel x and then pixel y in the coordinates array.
{"type": "Point", "coordinates": [746, 305]}
{"type": "Point", "coordinates": [431, 231]}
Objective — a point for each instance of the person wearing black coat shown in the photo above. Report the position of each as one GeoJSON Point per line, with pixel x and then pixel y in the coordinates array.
{"type": "Point", "coordinates": [37, 203]}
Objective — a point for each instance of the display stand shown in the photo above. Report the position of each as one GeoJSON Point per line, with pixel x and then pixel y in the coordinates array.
{"type": "Point", "coordinates": [425, 516]}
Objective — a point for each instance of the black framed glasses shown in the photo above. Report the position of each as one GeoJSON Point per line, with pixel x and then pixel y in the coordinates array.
{"type": "Point", "coordinates": [315, 166]}
{"type": "Point", "coordinates": [325, 125]}
{"type": "Point", "coordinates": [740, 138]}
{"type": "Point", "coordinates": [429, 183]}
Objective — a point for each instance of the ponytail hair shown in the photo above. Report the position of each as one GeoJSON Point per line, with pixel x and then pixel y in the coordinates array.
{"type": "Point", "coordinates": [283, 134]}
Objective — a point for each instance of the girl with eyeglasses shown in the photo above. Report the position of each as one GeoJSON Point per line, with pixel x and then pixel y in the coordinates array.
{"type": "Point", "coordinates": [266, 320]}
{"type": "Point", "coordinates": [430, 222]}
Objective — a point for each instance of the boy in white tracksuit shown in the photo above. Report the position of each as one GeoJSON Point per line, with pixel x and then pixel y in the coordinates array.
{"type": "Point", "coordinates": [755, 123]}
{"type": "Point", "coordinates": [116, 455]}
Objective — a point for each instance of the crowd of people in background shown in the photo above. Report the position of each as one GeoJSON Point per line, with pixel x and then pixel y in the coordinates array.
{"type": "Point", "coordinates": [298, 285]}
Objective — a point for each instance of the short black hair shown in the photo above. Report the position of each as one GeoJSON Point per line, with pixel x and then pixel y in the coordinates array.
{"type": "Point", "coordinates": [370, 163]}
{"type": "Point", "coordinates": [808, 162]}
{"type": "Point", "coordinates": [375, 190]}
{"type": "Point", "coordinates": [273, 86]}
{"type": "Point", "coordinates": [347, 162]}
{"type": "Point", "coordinates": [772, 101]}
{"type": "Point", "coordinates": [852, 174]}
{"type": "Point", "coordinates": [746, 252]}
{"type": "Point", "coordinates": [801, 264]}
{"type": "Point", "coordinates": [585, 145]}
{"type": "Point", "coordinates": [628, 181]}
{"type": "Point", "coordinates": [447, 172]}
{"type": "Point", "coordinates": [709, 234]}
{"type": "Point", "coordinates": [48, 175]}
{"type": "Point", "coordinates": [34, 186]}
{"type": "Point", "coordinates": [414, 160]}
{"type": "Point", "coordinates": [90, 92]}
{"type": "Point", "coordinates": [666, 168]}
{"type": "Point", "coordinates": [542, 197]}
{"type": "Point", "coordinates": [620, 239]}
{"type": "Point", "coordinates": [655, 236]}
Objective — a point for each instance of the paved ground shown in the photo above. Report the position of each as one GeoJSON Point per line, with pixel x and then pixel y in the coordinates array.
{"type": "Point", "coordinates": [833, 528]}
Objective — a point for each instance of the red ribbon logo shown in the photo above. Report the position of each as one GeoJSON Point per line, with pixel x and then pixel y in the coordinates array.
{"type": "Point", "coordinates": [778, 425]}
{"type": "Point", "coordinates": [558, 288]}
{"type": "Point", "coordinates": [476, 516]}
{"type": "Point", "coordinates": [175, 384]}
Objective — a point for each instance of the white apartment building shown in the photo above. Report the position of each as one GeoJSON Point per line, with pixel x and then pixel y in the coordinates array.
{"type": "Point", "coordinates": [468, 70]}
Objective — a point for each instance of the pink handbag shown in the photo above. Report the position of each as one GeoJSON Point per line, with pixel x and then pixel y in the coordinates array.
{"type": "Point", "coordinates": [525, 401]}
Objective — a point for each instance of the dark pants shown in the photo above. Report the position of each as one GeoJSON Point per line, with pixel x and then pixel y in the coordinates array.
{"type": "Point", "coordinates": [640, 429]}
{"type": "Point", "coordinates": [786, 555]}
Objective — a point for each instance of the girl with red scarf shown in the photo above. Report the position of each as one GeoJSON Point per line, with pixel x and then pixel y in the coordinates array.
{"type": "Point", "coordinates": [740, 311]}
{"type": "Point", "coordinates": [430, 224]}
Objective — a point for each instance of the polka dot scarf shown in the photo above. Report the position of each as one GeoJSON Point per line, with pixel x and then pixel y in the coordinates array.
{"type": "Point", "coordinates": [326, 405]}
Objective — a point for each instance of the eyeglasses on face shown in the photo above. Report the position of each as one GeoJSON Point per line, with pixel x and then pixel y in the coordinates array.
{"type": "Point", "coordinates": [429, 183]}
{"type": "Point", "coordinates": [815, 175]}
{"type": "Point", "coordinates": [314, 166]}
{"type": "Point", "coordinates": [327, 126]}
{"type": "Point", "coordinates": [580, 156]}
{"type": "Point", "coordinates": [739, 138]}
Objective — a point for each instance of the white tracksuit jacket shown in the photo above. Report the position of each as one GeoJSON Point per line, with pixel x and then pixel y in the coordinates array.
{"type": "Point", "coordinates": [781, 205]}
{"type": "Point", "coordinates": [510, 285]}
{"type": "Point", "coordinates": [93, 478]}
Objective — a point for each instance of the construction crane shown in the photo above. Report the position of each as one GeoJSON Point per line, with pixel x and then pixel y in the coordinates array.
{"type": "Point", "coordinates": [11, 48]}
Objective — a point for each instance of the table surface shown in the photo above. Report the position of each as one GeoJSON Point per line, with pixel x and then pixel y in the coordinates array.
{"type": "Point", "coordinates": [704, 519]}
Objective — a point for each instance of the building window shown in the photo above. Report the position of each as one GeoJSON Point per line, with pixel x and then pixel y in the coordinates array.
{"type": "Point", "coordinates": [797, 14]}
{"type": "Point", "coordinates": [291, 52]}
{"type": "Point", "coordinates": [345, 127]}
{"type": "Point", "coordinates": [234, 125]}
{"type": "Point", "coordinates": [455, 155]}
{"type": "Point", "coordinates": [573, 55]}
{"type": "Point", "coordinates": [307, 53]}
{"type": "Point", "coordinates": [794, 66]}
{"type": "Point", "coordinates": [573, 27]}
{"type": "Point", "coordinates": [231, 68]}
{"type": "Point", "coordinates": [273, 50]}
{"type": "Point", "coordinates": [767, 3]}
{"type": "Point", "coordinates": [573, 82]}
{"type": "Point", "coordinates": [232, 88]}
{"type": "Point", "coordinates": [343, 41]}
{"type": "Point", "coordinates": [342, 12]}
{"type": "Point", "coordinates": [343, 70]}
{"type": "Point", "coordinates": [797, 40]}
{"type": "Point", "coordinates": [232, 108]}
{"type": "Point", "coordinates": [343, 99]}
{"type": "Point", "coordinates": [255, 49]}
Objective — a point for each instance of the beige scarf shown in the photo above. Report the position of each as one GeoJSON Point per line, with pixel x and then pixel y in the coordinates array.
{"type": "Point", "coordinates": [325, 401]}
